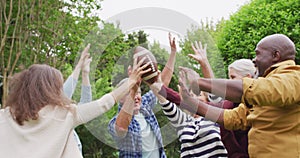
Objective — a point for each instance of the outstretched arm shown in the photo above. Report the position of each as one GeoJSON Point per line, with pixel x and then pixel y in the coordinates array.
{"type": "Point", "coordinates": [196, 106]}
{"type": "Point", "coordinates": [167, 72]}
{"type": "Point", "coordinates": [229, 89]}
{"type": "Point", "coordinates": [90, 110]}
{"type": "Point", "coordinates": [231, 119]}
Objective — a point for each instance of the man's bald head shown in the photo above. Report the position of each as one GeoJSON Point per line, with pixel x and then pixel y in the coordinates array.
{"type": "Point", "coordinates": [280, 43]}
{"type": "Point", "coordinates": [273, 49]}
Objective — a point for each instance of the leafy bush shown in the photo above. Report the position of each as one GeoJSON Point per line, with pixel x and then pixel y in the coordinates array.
{"type": "Point", "coordinates": [240, 34]}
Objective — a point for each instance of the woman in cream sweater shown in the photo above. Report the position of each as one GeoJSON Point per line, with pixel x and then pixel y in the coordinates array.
{"type": "Point", "coordinates": [38, 119]}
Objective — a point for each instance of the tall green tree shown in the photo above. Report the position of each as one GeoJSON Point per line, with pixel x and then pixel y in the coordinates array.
{"type": "Point", "coordinates": [239, 35]}
{"type": "Point", "coordinates": [39, 31]}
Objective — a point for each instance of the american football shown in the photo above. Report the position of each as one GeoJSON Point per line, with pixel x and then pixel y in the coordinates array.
{"type": "Point", "coordinates": [139, 53]}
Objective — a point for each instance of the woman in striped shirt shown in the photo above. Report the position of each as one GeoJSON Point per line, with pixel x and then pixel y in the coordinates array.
{"type": "Point", "coordinates": [199, 137]}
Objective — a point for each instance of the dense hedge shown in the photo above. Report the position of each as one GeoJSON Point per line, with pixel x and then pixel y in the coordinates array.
{"type": "Point", "coordinates": [240, 34]}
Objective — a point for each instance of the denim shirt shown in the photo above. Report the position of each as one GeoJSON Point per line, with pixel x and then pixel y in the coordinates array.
{"type": "Point", "coordinates": [131, 144]}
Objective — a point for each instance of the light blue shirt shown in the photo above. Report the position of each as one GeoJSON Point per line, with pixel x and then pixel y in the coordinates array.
{"type": "Point", "coordinates": [86, 96]}
{"type": "Point", "coordinates": [149, 141]}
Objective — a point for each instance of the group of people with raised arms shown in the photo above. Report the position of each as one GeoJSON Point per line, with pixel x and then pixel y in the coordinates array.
{"type": "Point", "coordinates": [255, 113]}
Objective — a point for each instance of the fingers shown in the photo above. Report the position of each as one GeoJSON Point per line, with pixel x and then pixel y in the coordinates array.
{"type": "Point", "coordinates": [181, 82]}
{"type": "Point", "coordinates": [129, 70]}
{"type": "Point", "coordinates": [134, 62]}
{"type": "Point", "coordinates": [182, 76]}
{"type": "Point", "coordinates": [144, 71]}
{"type": "Point", "coordinates": [88, 46]}
{"type": "Point", "coordinates": [170, 38]}
{"type": "Point", "coordinates": [172, 43]}
{"type": "Point", "coordinates": [193, 56]}
{"type": "Point", "coordinates": [144, 66]}
{"type": "Point", "coordinates": [89, 60]}
{"type": "Point", "coordinates": [200, 45]}
{"type": "Point", "coordinates": [193, 47]}
{"type": "Point", "coordinates": [184, 69]}
{"type": "Point", "coordinates": [141, 61]}
{"type": "Point", "coordinates": [85, 50]}
{"type": "Point", "coordinates": [141, 70]}
{"type": "Point", "coordinates": [179, 89]}
{"type": "Point", "coordinates": [197, 45]}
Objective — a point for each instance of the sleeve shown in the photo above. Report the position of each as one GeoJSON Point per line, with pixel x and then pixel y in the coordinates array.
{"type": "Point", "coordinates": [91, 110]}
{"type": "Point", "coordinates": [224, 104]}
{"type": "Point", "coordinates": [277, 90]}
{"type": "Point", "coordinates": [177, 117]}
{"type": "Point", "coordinates": [236, 118]}
{"type": "Point", "coordinates": [86, 94]}
{"type": "Point", "coordinates": [69, 86]}
{"type": "Point", "coordinates": [149, 99]}
{"type": "Point", "coordinates": [170, 94]}
{"type": "Point", "coordinates": [213, 98]}
{"type": "Point", "coordinates": [111, 127]}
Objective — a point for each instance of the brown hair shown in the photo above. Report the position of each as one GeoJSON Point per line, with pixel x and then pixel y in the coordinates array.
{"type": "Point", "coordinates": [34, 88]}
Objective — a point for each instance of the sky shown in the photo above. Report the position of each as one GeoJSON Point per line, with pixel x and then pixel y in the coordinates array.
{"type": "Point", "coordinates": [158, 17]}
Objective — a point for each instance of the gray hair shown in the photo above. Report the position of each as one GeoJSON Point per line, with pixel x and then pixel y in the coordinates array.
{"type": "Point", "coordinates": [243, 67]}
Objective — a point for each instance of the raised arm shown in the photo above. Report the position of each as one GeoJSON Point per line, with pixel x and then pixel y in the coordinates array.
{"type": "Point", "coordinates": [90, 110]}
{"type": "Point", "coordinates": [125, 115]}
{"type": "Point", "coordinates": [71, 82]}
{"type": "Point", "coordinates": [167, 72]}
{"type": "Point", "coordinates": [86, 92]}
{"type": "Point", "coordinates": [201, 57]}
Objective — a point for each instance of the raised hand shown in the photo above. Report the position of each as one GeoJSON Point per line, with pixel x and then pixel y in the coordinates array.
{"type": "Point", "coordinates": [191, 79]}
{"type": "Point", "coordinates": [172, 43]}
{"type": "Point", "coordinates": [183, 88]}
{"type": "Point", "coordinates": [191, 75]}
{"type": "Point", "coordinates": [200, 54]}
{"type": "Point", "coordinates": [156, 86]}
{"type": "Point", "coordinates": [137, 70]}
{"type": "Point", "coordinates": [84, 54]}
{"type": "Point", "coordinates": [86, 64]}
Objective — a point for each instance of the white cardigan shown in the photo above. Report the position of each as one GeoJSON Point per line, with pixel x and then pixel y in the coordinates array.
{"type": "Point", "coordinates": [51, 135]}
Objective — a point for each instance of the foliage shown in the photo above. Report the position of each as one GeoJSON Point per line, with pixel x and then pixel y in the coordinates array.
{"type": "Point", "coordinates": [41, 32]}
{"type": "Point", "coordinates": [54, 33]}
{"type": "Point", "coordinates": [240, 34]}
{"type": "Point", "coordinates": [204, 35]}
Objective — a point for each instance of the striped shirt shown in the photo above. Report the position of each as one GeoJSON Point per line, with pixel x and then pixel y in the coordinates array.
{"type": "Point", "coordinates": [199, 137]}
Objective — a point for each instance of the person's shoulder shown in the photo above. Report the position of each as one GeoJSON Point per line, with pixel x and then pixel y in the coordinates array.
{"type": "Point", "coordinates": [58, 112]}
{"type": "Point", "coordinates": [287, 65]}
{"type": "Point", "coordinates": [148, 95]}
{"type": "Point", "coordinates": [150, 92]}
{"type": "Point", "coordinates": [4, 112]}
